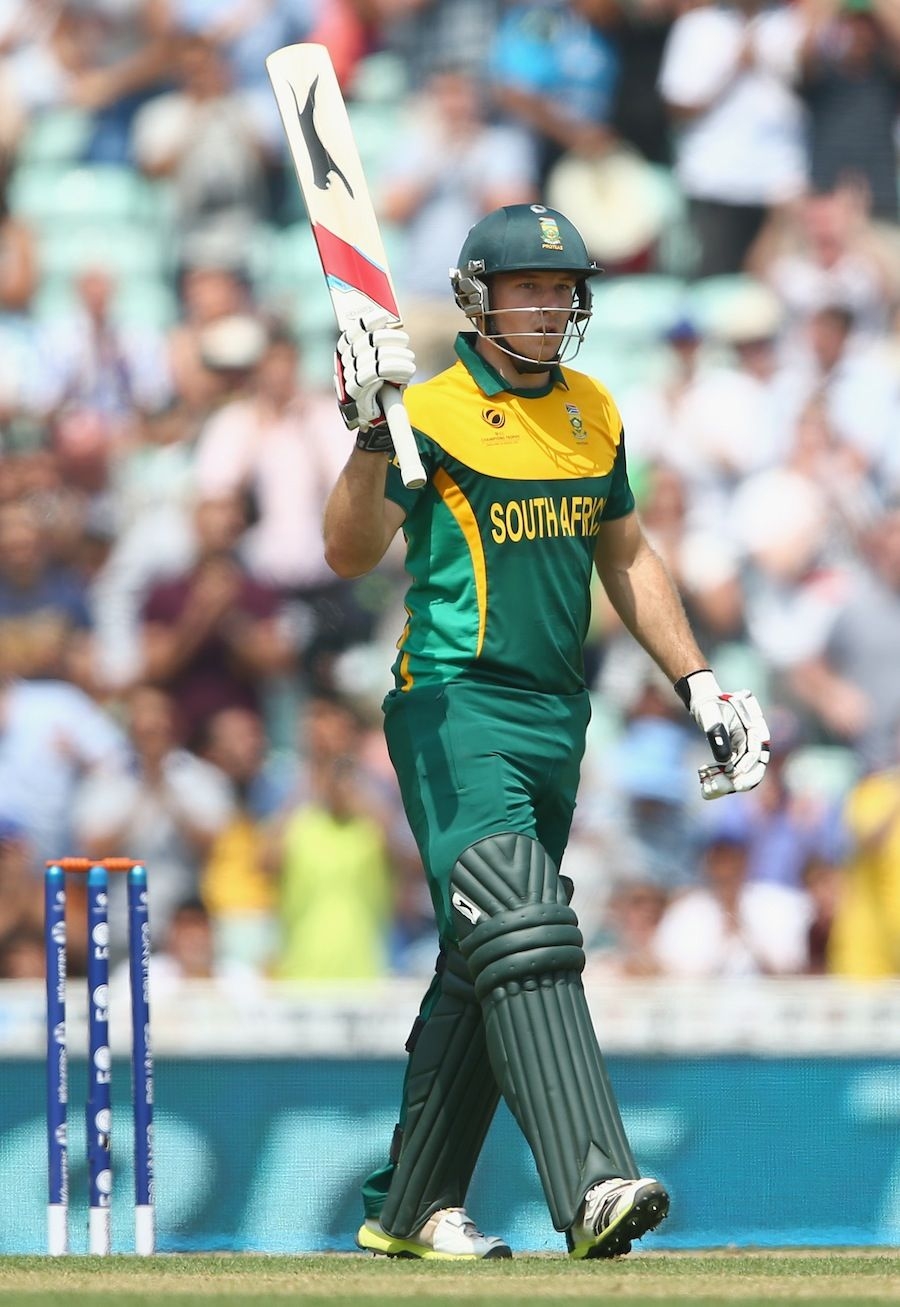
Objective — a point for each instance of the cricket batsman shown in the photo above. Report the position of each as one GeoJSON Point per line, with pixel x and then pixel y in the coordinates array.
{"type": "Point", "coordinates": [526, 493]}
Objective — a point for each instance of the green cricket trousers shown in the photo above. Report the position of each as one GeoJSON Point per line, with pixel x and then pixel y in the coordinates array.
{"type": "Point", "coordinates": [475, 759]}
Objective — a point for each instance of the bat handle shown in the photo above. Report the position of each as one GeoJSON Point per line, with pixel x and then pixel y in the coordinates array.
{"type": "Point", "coordinates": [411, 469]}
{"type": "Point", "coordinates": [719, 743]}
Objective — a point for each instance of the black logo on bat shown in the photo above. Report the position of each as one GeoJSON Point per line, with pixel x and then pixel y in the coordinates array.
{"type": "Point", "coordinates": [323, 165]}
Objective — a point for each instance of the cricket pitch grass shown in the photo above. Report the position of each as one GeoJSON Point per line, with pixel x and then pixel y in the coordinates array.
{"type": "Point", "coordinates": [752, 1279]}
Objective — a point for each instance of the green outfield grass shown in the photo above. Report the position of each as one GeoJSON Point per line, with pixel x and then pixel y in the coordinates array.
{"type": "Point", "coordinates": [752, 1279]}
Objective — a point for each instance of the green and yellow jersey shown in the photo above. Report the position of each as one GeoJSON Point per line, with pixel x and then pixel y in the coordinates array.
{"type": "Point", "coordinates": [500, 542]}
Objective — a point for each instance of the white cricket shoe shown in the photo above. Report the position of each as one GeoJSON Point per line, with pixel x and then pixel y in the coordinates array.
{"type": "Point", "coordinates": [614, 1213]}
{"type": "Point", "coordinates": [449, 1235]}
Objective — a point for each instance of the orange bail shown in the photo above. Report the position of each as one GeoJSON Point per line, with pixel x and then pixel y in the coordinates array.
{"type": "Point", "coordinates": [85, 864]}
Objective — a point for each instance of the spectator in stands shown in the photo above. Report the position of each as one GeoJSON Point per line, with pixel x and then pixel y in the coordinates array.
{"type": "Point", "coordinates": [651, 411]}
{"type": "Point", "coordinates": [150, 505]}
{"type": "Point", "coordinates": [331, 727]}
{"type": "Point", "coordinates": [335, 884]}
{"type": "Point", "coordinates": [413, 943]}
{"type": "Point", "coordinates": [451, 168]}
{"type": "Point", "coordinates": [823, 880]}
{"type": "Point", "coordinates": [635, 817]}
{"type": "Point", "coordinates": [336, 725]}
{"type": "Point", "coordinates": [188, 953]}
{"type": "Point", "coordinates": [823, 251]}
{"type": "Point", "coordinates": [152, 489]}
{"type": "Point", "coordinates": [707, 577]}
{"type": "Point", "coordinates": [650, 768]}
{"type": "Point", "coordinates": [730, 926]}
{"type": "Point", "coordinates": [231, 350]}
{"type": "Point", "coordinates": [554, 67]}
{"type": "Point", "coordinates": [429, 34]}
{"type": "Point", "coordinates": [739, 149]}
{"type": "Point", "coordinates": [865, 935]}
{"type": "Point", "coordinates": [131, 63]}
{"type": "Point", "coordinates": [76, 55]}
{"type": "Point", "coordinates": [51, 736]}
{"type": "Point", "coordinates": [280, 446]}
{"type": "Point", "coordinates": [716, 420]}
{"type": "Point", "coordinates": [849, 682]}
{"type": "Point", "coordinates": [350, 30]}
{"type": "Point", "coordinates": [25, 395]}
{"type": "Point", "coordinates": [18, 256]}
{"type": "Point", "coordinates": [209, 293]}
{"type": "Point", "coordinates": [21, 23]}
{"type": "Point", "coordinates": [152, 473]}
{"type": "Point", "coordinates": [639, 116]}
{"type": "Point", "coordinates": [45, 619]}
{"type": "Point", "coordinates": [633, 914]}
{"type": "Point", "coordinates": [103, 374]}
{"type": "Point", "coordinates": [237, 887]}
{"type": "Point", "coordinates": [245, 33]}
{"type": "Point", "coordinates": [205, 138]}
{"type": "Point", "coordinates": [853, 490]}
{"type": "Point", "coordinates": [71, 528]}
{"type": "Point", "coordinates": [160, 804]}
{"type": "Point", "coordinates": [856, 388]}
{"type": "Point", "coordinates": [21, 907]}
{"type": "Point", "coordinates": [22, 955]}
{"type": "Point", "coordinates": [214, 634]}
{"type": "Point", "coordinates": [101, 365]}
{"type": "Point", "coordinates": [745, 384]}
{"type": "Point", "coordinates": [850, 81]}
{"type": "Point", "coordinates": [793, 584]}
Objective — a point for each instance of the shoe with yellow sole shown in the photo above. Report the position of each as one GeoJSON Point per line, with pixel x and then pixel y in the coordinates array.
{"type": "Point", "coordinates": [448, 1235]}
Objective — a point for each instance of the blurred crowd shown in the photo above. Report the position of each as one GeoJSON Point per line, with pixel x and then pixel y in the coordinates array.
{"type": "Point", "coordinates": [181, 678]}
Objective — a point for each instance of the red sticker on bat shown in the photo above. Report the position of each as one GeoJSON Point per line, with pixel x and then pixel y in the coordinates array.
{"type": "Point", "coordinates": [346, 263]}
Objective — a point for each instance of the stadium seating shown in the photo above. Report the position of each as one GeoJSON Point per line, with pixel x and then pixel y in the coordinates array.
{"type": "Point", "coordinates": [57, 136]}
{"type": "Point", "coordinates": [638, 310]}
{"type": "Point", "coordinates": [126, 250]}
{"type": "Point", "coordinates": [712, 300]}
{"type": "Point", "coordinates": [50, 195]}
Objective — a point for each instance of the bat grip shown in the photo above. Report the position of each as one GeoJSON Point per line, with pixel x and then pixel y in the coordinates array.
{"type": "Point", "coordinates": [411, 469]}
{"type": "Point", "coordinates": [719, 743]}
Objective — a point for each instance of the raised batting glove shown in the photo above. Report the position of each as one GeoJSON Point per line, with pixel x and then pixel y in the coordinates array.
{"type": "Point", "coordinates": [370, 352]}
{"type": "Point", "coordinates": [736, 731]}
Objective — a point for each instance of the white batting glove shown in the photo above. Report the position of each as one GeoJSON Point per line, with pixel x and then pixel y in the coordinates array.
{"type": "Point", "coordinates": [370, 352]}
{"type": "Point", "coordinates": [736, 730]}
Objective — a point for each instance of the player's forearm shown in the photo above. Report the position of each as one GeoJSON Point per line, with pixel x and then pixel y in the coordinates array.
{"type": "Point", "coordinates": [355, 530]}
{"type": "Point", "coordinates": [646, 600]}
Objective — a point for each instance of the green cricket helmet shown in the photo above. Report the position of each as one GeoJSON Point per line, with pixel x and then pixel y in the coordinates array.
{"type": "Point", "coordinates": [523, 238]}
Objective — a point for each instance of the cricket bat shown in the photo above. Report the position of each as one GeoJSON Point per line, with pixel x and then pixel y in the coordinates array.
{"type": "Point", "coordinates": [340, 209]}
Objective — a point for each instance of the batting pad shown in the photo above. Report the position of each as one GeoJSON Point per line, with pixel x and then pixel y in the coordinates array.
{"type": "Point", "coordinates": [524, 949]}
{"type": "Point", "coordinates": [450, 1098]}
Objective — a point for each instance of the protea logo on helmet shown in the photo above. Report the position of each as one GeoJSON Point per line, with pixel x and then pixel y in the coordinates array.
{"type": "Point", "coordinates": [550, 237]}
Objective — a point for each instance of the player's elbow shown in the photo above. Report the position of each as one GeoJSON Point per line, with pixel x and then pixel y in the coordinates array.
{"type": "Point", "coordinates": [346, 563]}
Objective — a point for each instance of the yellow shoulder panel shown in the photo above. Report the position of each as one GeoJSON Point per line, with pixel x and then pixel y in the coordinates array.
{"type": "Point", "coordinates": [572, 432]}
